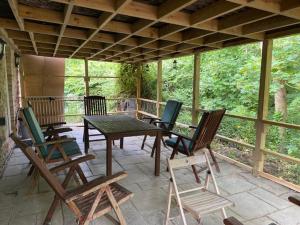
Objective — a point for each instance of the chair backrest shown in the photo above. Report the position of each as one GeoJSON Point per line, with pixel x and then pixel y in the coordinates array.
{"type": "Point", "coordinates": [34, 128]}
{"type": "Point", "coordinates": [94, 105]}
{"type": "Point", "coordinates": [40, 165]}
{"type": "Point", "coordinates": [207, 129]}
{"type": "Point", "coordinates": [171, 113]}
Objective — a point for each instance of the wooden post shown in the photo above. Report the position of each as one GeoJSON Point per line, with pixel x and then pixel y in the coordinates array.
{"type": "Point", "coordinates": [86, 77]}
{"type": "Point", "coordinates": [196, 92]}
{"type": "Point", "coordinates": [261, 129]}
{"type": "Point", "coordinates": [158, 87]}
{"type": "Point", "coordinates": [22, 85]}
{"type": "Point", "coordinates": [138, 88]}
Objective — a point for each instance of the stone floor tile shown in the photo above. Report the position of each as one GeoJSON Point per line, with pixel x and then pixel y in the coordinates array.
{"type": "Point", "coordinates": [288, 216]}
{"type": "Point", "coordinates": [23, 220]}
{"type": "Point", "coordinates": [234, 184]}
{"type": "Point", "coordinates": [249, 206]}
{"type": "Point", "coordinates": [270, 198]}
{"type": "Point", "coordinates": [261, 221]}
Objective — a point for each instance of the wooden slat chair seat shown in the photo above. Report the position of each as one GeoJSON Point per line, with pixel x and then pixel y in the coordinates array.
{"type": "Point", "coordinates": [166, 122]}
{"type": "Point", "coordinates": [202, 138]}
{"type": "Point", "coordinates": [197, 201]}
{"type": "Point", "coordinates": [50, 151]}
{"type": "Point", "coordinates": [88, 201]}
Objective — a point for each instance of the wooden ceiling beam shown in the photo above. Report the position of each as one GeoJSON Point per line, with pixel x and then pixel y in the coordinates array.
{"type": "Point", "coordinates": [67, 15]}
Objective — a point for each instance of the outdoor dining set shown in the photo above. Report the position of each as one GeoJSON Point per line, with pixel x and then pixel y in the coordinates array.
{"type": "Point", "coordinates": [51, 151]}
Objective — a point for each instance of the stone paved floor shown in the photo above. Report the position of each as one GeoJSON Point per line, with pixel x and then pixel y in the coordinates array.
{"type": "Point", "coordinates": [257, 201]}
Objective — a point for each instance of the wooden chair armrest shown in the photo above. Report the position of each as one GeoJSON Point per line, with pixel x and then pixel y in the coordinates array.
{"type": "Point", "coordinates": [192, 127]}
{"type": "Point", "coordinates": [181, 136]}
{"type": "Point", "coordinates": [57, 141]}
{"type": "Point", "coordinates": [295, 200]}
{"type": "Point", "coordinates": [71, 163]}
{"type": "Point", "coordinates": [231, 221]}
{"type": "Point", "coordinates": [93, 186]}
{"type": "Point", "coordinates": [53, 124]}
{"type": "Point", "coordinates": [57, 131]}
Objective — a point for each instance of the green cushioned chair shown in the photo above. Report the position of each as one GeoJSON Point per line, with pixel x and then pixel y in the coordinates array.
{"type": "Point", "coordinates": [49, 150]}
{"type": "Point", "coordinates": [166, 122]}
{"type": "Point", "coordinates": [202, 138]}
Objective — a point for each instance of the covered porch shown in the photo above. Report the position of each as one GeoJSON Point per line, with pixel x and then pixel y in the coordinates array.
{"type": "Point", "coordinates": [39, 36]}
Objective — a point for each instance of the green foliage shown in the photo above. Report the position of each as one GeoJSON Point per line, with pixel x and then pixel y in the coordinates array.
{"type": "Point", "coordinates": [126, 84]}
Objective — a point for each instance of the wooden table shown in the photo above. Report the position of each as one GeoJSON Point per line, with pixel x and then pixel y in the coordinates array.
{"type": "Point", "coordinates": [115, 127]}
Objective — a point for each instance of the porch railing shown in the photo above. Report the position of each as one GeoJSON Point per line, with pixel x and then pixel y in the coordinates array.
{"type": "Point", "coordinates": [148, 107]}
{"type": "Point", "coordinates": [51, 109]}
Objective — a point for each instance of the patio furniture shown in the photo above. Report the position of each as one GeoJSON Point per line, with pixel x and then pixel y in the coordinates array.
{"type": "Point", "coordinates": [202, 138]}
{"type": "Point", "coordinates": [197, 201]}
{"type": "Point", "coordinates": [60, 149]}
{"type": "Point", "coordinates": [94, 105]}
{"type": "Point", "coordinates": [119, 126]}
{"type": "Point", "coordinates": [88, 201]}
{"type": "Point", "coordinates": [166, 122]}
{"type": "Point", "coordinates": [295, 200]}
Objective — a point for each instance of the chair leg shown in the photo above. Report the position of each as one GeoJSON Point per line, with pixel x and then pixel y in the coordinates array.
{"type": "Point", "coordinates": [30, 171]}
{"type": "Point", "coordinates": [214, 159]}
{"type": "Point", "coordinates": [154, 147]}
{"type": "Point", "coordinates": [143, 144]}
{"type": "Point", "coordinates": [51, 210]}
{"type": "Point", "coordinates": [169, 205]}
{"type": "Point", "coordinates": [196, 174]}
{"type": "Point", "coordinates": [115, 206]}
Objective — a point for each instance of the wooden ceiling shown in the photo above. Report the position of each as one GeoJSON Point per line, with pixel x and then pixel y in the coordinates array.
{"type": "Point", "coordinates": [142, 30]}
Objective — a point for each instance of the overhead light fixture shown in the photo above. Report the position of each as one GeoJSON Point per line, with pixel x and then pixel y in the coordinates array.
{"type": "Point", "coordinates": [175, 64]}
{"type": "Point", "coordinates": [147, 68]}
{"type": "Point", "coordinates": [17, 60]}
{"type": "Point", "coordinates": [2, 48]}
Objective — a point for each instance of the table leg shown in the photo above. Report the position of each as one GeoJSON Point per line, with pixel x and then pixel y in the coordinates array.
{"type": "Point", "coordinates": [157, 154]}
{"type": "Point", "coordinates": [108, 157]}
{"type": "Point", "coordinates": [86, 137]}
{"type": "Point", "coordinates": [121, 143]}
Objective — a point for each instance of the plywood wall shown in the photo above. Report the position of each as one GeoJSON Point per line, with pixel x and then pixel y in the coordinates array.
{"type": "Point", "coordinates": [43, 76]}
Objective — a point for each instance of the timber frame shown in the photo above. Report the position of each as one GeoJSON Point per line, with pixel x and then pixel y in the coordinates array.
{"type": "Point", "coordinates": [142, 30]}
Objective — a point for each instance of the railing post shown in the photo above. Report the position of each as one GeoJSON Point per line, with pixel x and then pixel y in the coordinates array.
{"type": "Point", "coordinates": [138, 88]}
{"type": "Point", "coordinates": [86, 77]}
{"type": "Point", "coordinates": [262, 112]}
{"type": "Point", "coordinates": [196, 92]}
{"type": "Point", "coordinates": [158, 87]}
{"type": "Point", "coordinates": [22, 85]}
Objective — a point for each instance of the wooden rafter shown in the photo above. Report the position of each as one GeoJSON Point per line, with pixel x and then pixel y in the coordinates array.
{"type": "Point", "coordinates": [165, 30]}
{"type": "Point", "coordinates": [67, 15]}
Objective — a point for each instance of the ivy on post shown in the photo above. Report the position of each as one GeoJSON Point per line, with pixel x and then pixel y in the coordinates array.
{"type": "Point", "coordinates": [196, 92]}
{"type": "Point", "coordinates": [263, 101]}
{"type": "Point", "coordinates": [159, 87]}
{"type": "Point", "coordinates": [86, 77]}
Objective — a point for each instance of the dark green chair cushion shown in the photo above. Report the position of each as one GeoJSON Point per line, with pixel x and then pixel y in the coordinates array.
{"type": "Point", "coordinates": [35, 128]}
{"type": "Point", "coordinates": [70, 148]}
{"type": "Point", "coordinates": [171, 112]}
{"type": "Point", "coordinates": [172, 142]}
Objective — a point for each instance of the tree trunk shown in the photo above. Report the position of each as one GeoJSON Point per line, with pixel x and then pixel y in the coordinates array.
{"type": "Point", "coordinates": [281, 108]}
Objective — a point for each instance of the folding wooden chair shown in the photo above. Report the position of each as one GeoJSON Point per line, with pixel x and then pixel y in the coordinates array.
{"type": "Point", "coordinates": [94, 106]}
{"type": "Point", "coordinates": [166, 122]}
{"type": "Point", "coordinates": [61, 149]}
{"type": "Point", "coordinates": [90, 200]}
{"type": "Point", "coordinates": [196, 201]}
{"type": "Point", "coordinates": [202, 138]}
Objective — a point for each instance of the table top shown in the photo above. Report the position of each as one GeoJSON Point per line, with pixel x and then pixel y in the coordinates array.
{"type": "Point", "coordinates": [120, 125]}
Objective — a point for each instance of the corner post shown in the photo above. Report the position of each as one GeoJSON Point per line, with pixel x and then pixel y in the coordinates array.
{"type": "Point", "coordinates": [263, 101]}
{"type": "Point", "coordinates": [196, 92]}
{"type": "Point", "coordinates": [158, 87]}
{"type": "Point", "coordinates": [86, 77]}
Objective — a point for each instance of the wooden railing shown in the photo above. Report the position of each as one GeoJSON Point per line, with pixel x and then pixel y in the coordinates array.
{"type": "Point", "coordinates": [51, 109]}
{"type": "Point", "coordinates": [244, 144]}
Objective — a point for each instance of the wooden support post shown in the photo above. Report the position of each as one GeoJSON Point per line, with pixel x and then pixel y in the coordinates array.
{"type": "Point", "coordinates": [138, 88]}
{"type": "Point", "coordinates": [159, 87]}
{"type": "Point", "coordinates": [196, 92]}
{"type": "Point", "coordinates": [86, 77]}
{"type": "Point", "coordinates": [261, 129]}
{"type": "Point", "coordinates": [22, 85]}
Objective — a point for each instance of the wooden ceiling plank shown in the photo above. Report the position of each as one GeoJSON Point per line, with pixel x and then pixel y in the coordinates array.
{"type": "Point", "coordinates": [68, 12]}
{"type": "Point", "coordinates": [213, 10]}
{"type": "Point", "coordinates": [103, 20]}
